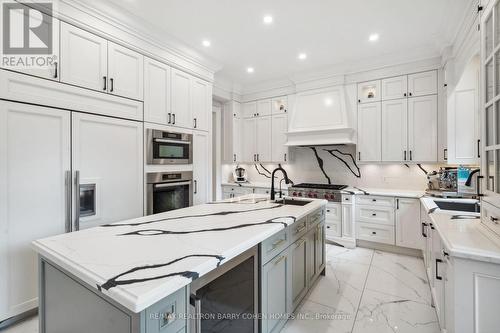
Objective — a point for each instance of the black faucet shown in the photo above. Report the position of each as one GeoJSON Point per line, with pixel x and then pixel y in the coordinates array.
{"type": "Point", "coordinates": [469, 180]}
{"type": "Point", "coordinates": [287, 181]}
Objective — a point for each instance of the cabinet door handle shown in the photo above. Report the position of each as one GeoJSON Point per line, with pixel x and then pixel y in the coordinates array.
{"type": "Point", "coordinates": [424, 225]}
{"type": "Point", "coordinates": [478, 186]}
{"type": "Point", "coordinates": [397, 203]}
{"type": "Point", "coordinates": [112, 84]}
{"type": "Point", "coordinates": [234, 157]}
{"type": "Point", "coordinates": [411, 94]}
{"type": "Point", "coordinates": [404, 94]}
{"type": "Point", "coordinates": [405, 155]}
{"type": "Point", "coordinates": [359, 156]}
{"type": "Point", "coordinates": [195, 125]}
{"type": "Point", "coordinates": [77, 200]}
{"type": "Point", "coordinates": [195, 186]}
{"type": "Point", "coordinates": [258, 157]}
{"type": "Point", "coordinates": [173, 118]}
{"type": "Point", "coordinates": [105, 83]}
{"type": "Point", "coordinates": [445, 154]}
{"type": "Point", "coordinates": [280, 259]}
{"type": "Point", "coordinates": [437, 267]}
{"type": "Point", "coordinates": [479, 148]}
{"type": "Point", "coordinates": [285, 157]}
{"type": "Point", "coordinates": [67, 182]}
{"type": "Point", "coordinates": [55, 70]}
{"type": "Point", "coordinates": [411, 157]}
{"type": "Point", "coordinates": [169, 118]}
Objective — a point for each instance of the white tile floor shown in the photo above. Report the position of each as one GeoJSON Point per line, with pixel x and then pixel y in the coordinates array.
{"type": "Point", "coordinates": [364, 291]}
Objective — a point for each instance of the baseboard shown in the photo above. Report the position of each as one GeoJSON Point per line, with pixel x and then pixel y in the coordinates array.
{"type": "Point", "coordinates": [390, 248]}
{"type": "Point", "coordinates": [16, 319]}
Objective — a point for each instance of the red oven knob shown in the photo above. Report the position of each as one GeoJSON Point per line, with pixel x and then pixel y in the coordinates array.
{"type": "Point", "coordinates": [326, 196]}
{"type": "Point", "coordinates": [294, 194]}
{"type": "Point", "coordinates": [300, 194]}
{"type": "Point", "coordinates": [315, 195]}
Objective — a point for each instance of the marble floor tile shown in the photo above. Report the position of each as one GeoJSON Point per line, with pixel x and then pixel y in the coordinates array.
{"type": "Point", "coordinates": [360, 255]}
{"type": "Point", "coordinates": [399, 275]}
{"type": "Point", "coordinates": [381, 313]}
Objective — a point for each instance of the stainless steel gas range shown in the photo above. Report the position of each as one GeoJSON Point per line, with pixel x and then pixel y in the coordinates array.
{"type": "Point", "coordinates": [332, 193]}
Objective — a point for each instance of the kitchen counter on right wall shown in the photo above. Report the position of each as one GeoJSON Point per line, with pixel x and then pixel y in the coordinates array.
{"type": "Point", "coordinates": [385, 192]}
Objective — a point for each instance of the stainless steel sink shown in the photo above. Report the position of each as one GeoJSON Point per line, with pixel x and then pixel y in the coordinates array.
{"type": "Point", "coordinates": [469, 207]}
{"type": "Point", "coordinates": [293, 202]}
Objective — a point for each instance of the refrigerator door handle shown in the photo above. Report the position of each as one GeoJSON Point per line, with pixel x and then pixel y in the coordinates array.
{"type": "Point", "coordinates": [67, 185]}
{"type": "Point", "coordinates": [77, 200]}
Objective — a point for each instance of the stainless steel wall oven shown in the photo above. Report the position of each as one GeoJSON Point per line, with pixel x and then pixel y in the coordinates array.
{"type": "Point", "coordinates": [168, 191]}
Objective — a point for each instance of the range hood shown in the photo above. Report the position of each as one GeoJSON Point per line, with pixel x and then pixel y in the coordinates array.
{"type": "Point", "coordinates": [323, 117]}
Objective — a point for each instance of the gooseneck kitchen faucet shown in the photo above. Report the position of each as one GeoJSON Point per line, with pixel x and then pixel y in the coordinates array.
{"type": "Point", "coordinates": [287, 181]}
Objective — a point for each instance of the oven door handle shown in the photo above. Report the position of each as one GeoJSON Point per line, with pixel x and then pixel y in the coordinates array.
{"type": "Point", "coordinates": [162, 185]}
{"type": "Point", "coordinates": [172, 141]}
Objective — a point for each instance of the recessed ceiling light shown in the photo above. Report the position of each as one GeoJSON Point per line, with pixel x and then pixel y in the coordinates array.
{"type": "Point", "coordinates": [302, 56]}
{"type": "Point", "coordinates": [373, 37]}
{"type": "Point", "coordinates": [250, 70]}
{"type": "Point", "coordinates": [206, 43]}
{"type": "Point", "coordinates": [268, 19]}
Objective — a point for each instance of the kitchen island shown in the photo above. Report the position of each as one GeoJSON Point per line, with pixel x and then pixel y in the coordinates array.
{"type": "Point", "coordinates": [138, 275]}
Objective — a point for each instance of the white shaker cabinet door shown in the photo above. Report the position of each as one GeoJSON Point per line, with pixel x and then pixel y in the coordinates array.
{"type": "Point", "coordinates": [34, 164]}
{"type": "Point", "coordinates": [201, 104]}
{"type": "Point", "coordinates": [156, 91]}
{"type": "Point", "coordinates": [84, 58]}
{"type": "Point", "coordinates": [395, 88]}
{"type": "Point", "coordinates": [126, 72]}
{"type": "Point", "coordinates": [181, 99]}
{"type": "Point", "coordinates": [201, 167]}
{"type": "Point", "coordinates": [249, 109]}
{"type": "Point", "coordinates": [408, 225]}
{"type": "Point", "coordinates": [264, 107]}
{"type": "Point", "coordinates": [421, 84]}
{"type": "Point", "coordinates": [108, 154]}
{"type": "Point", "coordinates": [248, 140]}
{"type": "Point", "coordinates": [422, 128]}
{"type": "Point", "coordinates": [369, 132]}
{"type": "Point", "coordinates": [264, 139]}
{"type": "Point", "coordinates": [395, 130]}
{"type": "Point", "coordinates": [279, 130]}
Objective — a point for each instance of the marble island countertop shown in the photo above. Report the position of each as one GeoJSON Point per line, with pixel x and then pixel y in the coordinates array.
{"type": "Point", "coordinates": [462, 233]}
{"type": "Point", "coordinates": [141, 261]}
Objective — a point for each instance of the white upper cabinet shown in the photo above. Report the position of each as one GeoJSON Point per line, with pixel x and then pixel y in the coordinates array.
{"type": "Point", "coordinates": [156, 91]}
{"type": "Point", "coordinates": [395, 88]}
{"type": "Point", "coordinates": [264, 107]}
{"type": "Point", "coordinates": [231, 134]}
{"type": "Point", "coordinates": [279, 130]}
{"type": "Point", "coordinates": [125, 71]}
{"type": "Point", "coordinates": [84, 58]}
{"type": "Point", "coordinates": [280, 105]}
{"type": "Point", "coordinates": [50, 72]}
{"type": "Point", "coordinates": [395, 130]}
{"type": "Point", "coordinates": [249, 109]}
{"type": "Point", "coordinates": [369, 92]}
{"type": "Point", "coordinates": [181, 100]}
{"type": "Point", "coordinates": [201, 167]}
{"type": "Point", "coordinates": [369, 132]}
{"type": "Point", "coordinates": [421, 84]}
{"type": "Point", "coordinates": [201, 104]}
{"type": "Point", "coordinates": [422, 128]}
{"type": "Point", "coordinates": [248, 142]}
{"type": "Point", "coordinates": [264, 139]}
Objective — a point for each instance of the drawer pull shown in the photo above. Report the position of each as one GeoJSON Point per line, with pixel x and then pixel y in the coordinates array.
{"type": "Point", "coordinates": [328, 227]}
{"type": "Point", "coordinates": [374, 200]}
{"type": "Point", "coordinates": [374, 232]}
{"type": "Point", "coordinates": [299, 244]}
{"type": "Point", "coordinates": [438, 277]}
{"type": "Point", "coordinates": [494, 219]}
{"type": "Point", "coordinates": [328, 211]}
{"type": "Point", "coordinates": [280, 259]}
{"type": "Point", "coordinates": [299, 230]}
{"type": "Point", "coordinates": [374, 214]}
{"type": "Point", "coordinates": [277, 243]}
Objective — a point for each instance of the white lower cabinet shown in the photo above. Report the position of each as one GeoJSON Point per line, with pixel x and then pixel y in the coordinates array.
{"type": "Point", "coordinates": [201, 167]}
{"type": "Point", "coordinates": [34, 162]}
{"type": "Point", "coordinates": [408, 223]}
{"type": "Point", "coordinates": [333, 220]}
{"type": "Point", "coordinates": [372, 232]}
{"type": "Point", "coordinates": [108, 155]}
{"type": "Point", "coordinates": [348, 229]}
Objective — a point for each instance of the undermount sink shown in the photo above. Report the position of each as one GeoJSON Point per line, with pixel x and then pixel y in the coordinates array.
{"type": "Point", "coordinates": [293, 202]}
{"type": "Point", "coordinates": [469, 207]}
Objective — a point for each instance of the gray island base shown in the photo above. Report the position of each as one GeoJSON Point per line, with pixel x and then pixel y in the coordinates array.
{"type": "Point", "coordinates": [256, 290]}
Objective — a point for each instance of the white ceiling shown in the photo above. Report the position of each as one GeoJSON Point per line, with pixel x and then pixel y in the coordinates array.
{"type": "Point", "coordinates": [331, 32]}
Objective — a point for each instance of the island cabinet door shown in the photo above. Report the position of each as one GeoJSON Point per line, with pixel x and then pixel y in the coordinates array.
{"type": "Point", "coordinates": [298, 253]}
{"type": "Point", "coordinates": [33, 196]}
{"type": "Point", "coordinates": [276, 290]}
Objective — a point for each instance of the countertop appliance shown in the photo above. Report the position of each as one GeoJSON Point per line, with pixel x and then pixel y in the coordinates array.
{"type": "Point", "coordinates": [330, 192]}
{"type": "Point", "coordinates": [169, 147]}
{"type": "Point", "coordinates": [168, 191]}
{"type": "Point", "coordinates": [240, 175]}
{"type": "Point", "coordinates": [445, 183]}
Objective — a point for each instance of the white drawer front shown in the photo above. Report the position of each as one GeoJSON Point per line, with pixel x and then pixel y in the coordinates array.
{"type": "Point", "coordinates": [490, 217]}
{"type": "Point", "coordinates": [375, 214]}
{"type": "Point", "coordinates": [375, 233]}
{"type": "Point", "coordinates": [373, 200]}
{"type": "Point", "coordinates": [333, 212]}
{"type": "Point", "coordinates": [333, 229]}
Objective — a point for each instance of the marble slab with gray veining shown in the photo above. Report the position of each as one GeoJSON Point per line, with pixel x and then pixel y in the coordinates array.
{"type": "Point", "coordinates": [141, 261]}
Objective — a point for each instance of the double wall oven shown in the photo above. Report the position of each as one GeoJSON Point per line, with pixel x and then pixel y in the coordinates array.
{"type": "Point", "coordinates": [169, 147]}
{"type": "Point", "coordinates": [168, 191]}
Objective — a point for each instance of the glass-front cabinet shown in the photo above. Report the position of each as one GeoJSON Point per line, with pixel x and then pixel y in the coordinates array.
{"type": "Point", "coordinates": [490, 96]}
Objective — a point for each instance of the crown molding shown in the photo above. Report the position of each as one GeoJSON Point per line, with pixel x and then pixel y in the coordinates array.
{"type": "Point", "coordinates": [122, 27]}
